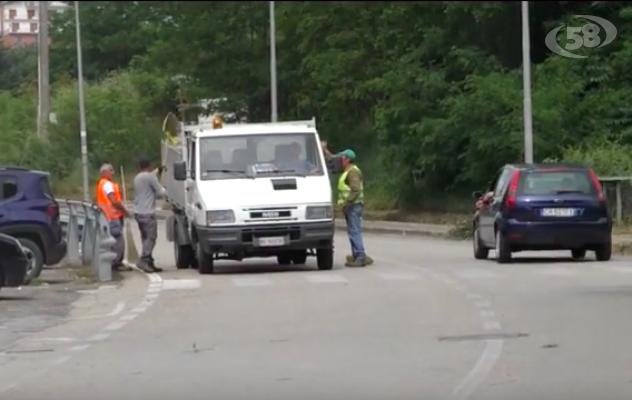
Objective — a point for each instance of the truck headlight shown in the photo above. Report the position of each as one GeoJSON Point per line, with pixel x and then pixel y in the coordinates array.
{"type": "Point", "coordinates": [220, 217]}
{"type": "Point", "coordinates": [319, 212]}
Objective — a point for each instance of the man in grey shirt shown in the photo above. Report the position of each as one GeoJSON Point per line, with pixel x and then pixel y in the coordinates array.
{"type": "Point", "coordinates": [147, 189]}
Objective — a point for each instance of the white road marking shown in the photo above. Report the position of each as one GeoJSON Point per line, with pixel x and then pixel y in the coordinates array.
{"type": "Point", "coordinates": [120, 306]}
{"type": "Point", "coordinates": [478, 374]}
{"type": "Point", "coordinates": [399, 276]}
{"type": "Point", "coordinates": [98, 337]}
{"type": "Point", "coordinates": [115, 326]}
{"type": "Point", "coordinates": [482, 304]}
{"type": "Point", "coordinates": [181, 284]}
{"type": "Point", "coordinates": [325, 278]}
{"type": "Point", "coordinates": [61, 339]}
{"type": "Point", "coordinates": [476, 274]}
{"type": "Point", "coordinates": [492, 325]}
{"type": "Point", "coordinates": [128, 317]}
{"type": "Point", "coordinates": [61, 360]}
{"type": "Point", "coordinates": [556, 271]}
{"type": "Point", "coordinates": [487, 313]}
{"type": "Point", "coordinates": [251, 281]}
{"type": "Point", "coordinates": [80, 347]}
{"type": "Point", "coordinates": [473, 296]}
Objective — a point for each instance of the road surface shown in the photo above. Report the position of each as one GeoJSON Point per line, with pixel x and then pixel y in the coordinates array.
{"type": "Point", "coordinates": [425, 322]}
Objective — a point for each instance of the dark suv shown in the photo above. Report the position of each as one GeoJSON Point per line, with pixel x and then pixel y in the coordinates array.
{"type": "Point", "coordinates": [543, 207]}
{"type": "Point", "coordinates": [29, 212]}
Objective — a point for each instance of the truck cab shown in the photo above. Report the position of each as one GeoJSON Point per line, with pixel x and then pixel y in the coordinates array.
{"type": "Point", "coordinates": [250, 190]}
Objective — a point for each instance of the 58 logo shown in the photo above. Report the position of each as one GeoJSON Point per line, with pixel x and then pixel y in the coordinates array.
{"type": "Point", "coordinates": [589, 35]}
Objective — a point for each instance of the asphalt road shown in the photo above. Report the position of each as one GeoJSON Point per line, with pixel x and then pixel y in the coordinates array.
{"type": "Point", "coordinates": [425, 322]}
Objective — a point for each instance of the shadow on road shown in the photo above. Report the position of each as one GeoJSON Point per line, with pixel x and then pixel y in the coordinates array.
{"type": "Point", "coordinates": [546, 260]}
{"type": "Point", "coordinates": [5, 297]}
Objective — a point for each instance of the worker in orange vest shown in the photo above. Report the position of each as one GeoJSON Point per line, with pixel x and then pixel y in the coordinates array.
{"type": "Point", "coordinates": [109, 200]}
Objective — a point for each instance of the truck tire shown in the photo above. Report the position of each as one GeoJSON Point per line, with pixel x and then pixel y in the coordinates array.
{"type": "Point", "coordinates": [36, 259]}
{"type": "Point", "coordinates": [325, 258]}
{"type": "Point", "coordinates": [185, 258]}
{"type": "Point", "coordinates": [299, 257]}
{"type": "Point", "coordinates": [205, 261]}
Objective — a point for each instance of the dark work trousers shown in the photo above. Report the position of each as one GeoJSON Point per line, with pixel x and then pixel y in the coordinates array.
{"type": "Point", "coordinates": [148, 234]}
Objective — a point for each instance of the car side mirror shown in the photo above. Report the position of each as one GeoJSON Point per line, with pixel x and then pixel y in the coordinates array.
{"type": "Point", "coordinates": [477, 195]}
{"type": "Point", "coordinates": [180, 171]}
{"type": "Point", "coordinates": [334, 164]}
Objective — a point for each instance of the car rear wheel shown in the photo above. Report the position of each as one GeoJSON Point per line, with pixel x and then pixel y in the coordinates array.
{"type": "Point", "coordinates": [578, 254]}
{"type": "Point", "coordinates": [480, 251]}
{"type": "Point", "coordinates": [503, 251]}
{"type": "Point", "coordinates": [603, 252]}
{"type": "Point", "coordinates": [35, 259]}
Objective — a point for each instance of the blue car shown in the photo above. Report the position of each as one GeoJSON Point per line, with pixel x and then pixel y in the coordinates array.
{"type": "Point", "coordinates": [543, 207]}
{"type": "Point", "coordinates": [30, 214]}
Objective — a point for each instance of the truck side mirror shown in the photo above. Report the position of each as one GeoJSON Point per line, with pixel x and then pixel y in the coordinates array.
{"type": "Point", "coordinates": [334, 164]}
{"type": "Point", "coordinates": [180, 171]}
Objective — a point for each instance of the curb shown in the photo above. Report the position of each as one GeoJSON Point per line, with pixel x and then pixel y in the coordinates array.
{"type": "Point", "coordinates": [340, 225]}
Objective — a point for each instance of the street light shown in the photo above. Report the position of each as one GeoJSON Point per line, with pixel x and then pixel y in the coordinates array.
{"type": "Point", "coordinates": [273, 66]}
{"type": "Point", "coordinates": [526, 85]}
{"type": "Point", "coordinates": [82, 107]}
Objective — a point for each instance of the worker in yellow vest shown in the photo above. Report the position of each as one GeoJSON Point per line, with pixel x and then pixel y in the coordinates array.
{"type": "Point", "coordinates": [351, 201]}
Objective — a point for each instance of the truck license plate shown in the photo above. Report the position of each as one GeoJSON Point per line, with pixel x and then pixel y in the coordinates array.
{"type": "Point", "coordinates": [271, 241]}
{"type": "Point", "coordinates": [558, 212]}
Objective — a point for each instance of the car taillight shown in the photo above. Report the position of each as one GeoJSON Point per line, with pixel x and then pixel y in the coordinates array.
{"type": "Point", "coordinates": [510, 199]}
{"type": "Point", "coordinates": [53, 211]}
{"type": "Point", "coordinates": [596, 183]}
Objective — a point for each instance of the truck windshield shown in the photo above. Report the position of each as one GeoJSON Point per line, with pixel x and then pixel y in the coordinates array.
{"type": "Point", "coordinates": [244, 156]}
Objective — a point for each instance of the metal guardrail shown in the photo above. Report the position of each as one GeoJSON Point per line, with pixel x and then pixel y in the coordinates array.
{"type": "Point", "coordinates": [88, 236]}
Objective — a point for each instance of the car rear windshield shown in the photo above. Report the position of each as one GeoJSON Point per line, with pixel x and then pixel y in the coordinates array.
{"type": "Point", "coordinates": [556, 182]}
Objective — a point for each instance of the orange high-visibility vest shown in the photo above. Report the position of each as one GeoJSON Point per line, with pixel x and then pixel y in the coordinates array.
{"type": "Point", "coordinates": [104, 202]}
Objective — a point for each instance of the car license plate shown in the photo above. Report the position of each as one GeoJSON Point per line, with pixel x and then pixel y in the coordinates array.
{"type": "Point", "coordinates": [558, 212]}
{"type": "Point", "coordinates": [271, 241]}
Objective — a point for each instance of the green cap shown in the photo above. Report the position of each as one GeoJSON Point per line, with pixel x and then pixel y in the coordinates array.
{"type": "Point", "coordinates": [350, 154]}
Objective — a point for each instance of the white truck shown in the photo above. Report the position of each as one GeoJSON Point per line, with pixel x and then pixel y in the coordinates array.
{"type": "Point", "coordinates": [248, 190]}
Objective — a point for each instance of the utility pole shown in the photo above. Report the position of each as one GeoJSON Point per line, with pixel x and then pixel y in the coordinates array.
{"type": "Point", "coordinates": [273, 65]}
{"type": "Point", "coordinates": [526, 85]}
{"type": "Point", "coordinates": [44, 71]}
{"type": "Point", "coordinates": [82, 107]}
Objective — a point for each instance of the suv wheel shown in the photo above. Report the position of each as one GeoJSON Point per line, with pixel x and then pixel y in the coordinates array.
{"type": "Point", "coordinates": [325, 258]}
{"type": "Point", "coordinates": [603, 252]}
{"type": "Point", "coordinates": [36, 259]}
{"type": "Point", "coordinates": [480, 251]}
{"type": "Point", "coordinates": [503, 251]}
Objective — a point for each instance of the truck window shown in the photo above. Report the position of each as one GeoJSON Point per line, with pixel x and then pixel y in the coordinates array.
{"type": "Point", "coordinates": [281, 154]}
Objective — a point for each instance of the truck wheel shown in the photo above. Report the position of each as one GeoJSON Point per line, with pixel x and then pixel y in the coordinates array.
{"type": "Point", "coordinates": [284, 258]}
{"type": "Point", "coordinates": [184, 256]}
{"type": "Point", "coordinates": [35, 259]}
{"type": "Point", "coordinates": [325, 258]}
{"type": "Point", "coordinates": [205, 261]}
{"type": "Point", "coordinates": [299, 257]}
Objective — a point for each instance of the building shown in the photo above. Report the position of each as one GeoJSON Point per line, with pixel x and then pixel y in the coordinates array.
{"type": "Point", "coordinates": [19, 21]}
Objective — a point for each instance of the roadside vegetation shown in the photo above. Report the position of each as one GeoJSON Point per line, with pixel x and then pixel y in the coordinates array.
{"type": "Point", "coordinates": [429, 94]}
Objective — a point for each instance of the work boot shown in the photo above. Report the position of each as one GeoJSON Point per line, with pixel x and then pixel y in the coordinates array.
{"type": "Point", "coordinates": [354, 264]}
{"type": "Point", "coordinates": [121, 268]}
{"type": "Point", "coordinates": [145, 266]}
{"type": "Point", "coordinates": [367, 261]}
{"type": "Point", "coordinates": [152, 264]}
